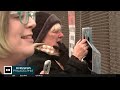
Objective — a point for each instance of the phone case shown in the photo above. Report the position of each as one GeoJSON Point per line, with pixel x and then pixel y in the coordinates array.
{"type": "Point", "coordinates": [47, 65]}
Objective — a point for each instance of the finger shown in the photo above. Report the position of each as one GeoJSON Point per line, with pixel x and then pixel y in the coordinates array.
{"type": "Point", "coordinates": [86, 52]}
{"type": "Point", "coordinates": [86, 48]}
{"type": "Point", "coordinates": [42, 72]}
{"type": "Point", "coordinates": [78, 41]}
{"type": "Point", "coordinates": [84, 44]}
{"type": "Point", "coordinates": [84, 41]}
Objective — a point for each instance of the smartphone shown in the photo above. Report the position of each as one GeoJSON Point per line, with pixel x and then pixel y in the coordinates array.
{"type": "Point", "coordinates": [47, 65]}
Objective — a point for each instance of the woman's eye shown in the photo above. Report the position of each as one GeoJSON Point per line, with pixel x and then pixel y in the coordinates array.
{"type": "Point", "coordinates": [22, 16]}
{"type": "Point", "coordinates": [15, 15]}
{"type": "Point", "coordinates": [55, 31]}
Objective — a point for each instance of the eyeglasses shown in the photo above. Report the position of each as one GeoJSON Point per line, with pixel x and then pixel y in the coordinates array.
{"type": "Point", "coordinates": [24, 16]}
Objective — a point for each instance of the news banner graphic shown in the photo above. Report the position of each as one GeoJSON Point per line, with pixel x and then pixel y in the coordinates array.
{"type": "Point", "coordinates": [7, 69]}
{"type": "Point", "coordinates": [18, 70]}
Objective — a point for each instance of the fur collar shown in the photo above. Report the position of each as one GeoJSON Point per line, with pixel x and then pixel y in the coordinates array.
{"type": "Point", "coordinates": [47, 49]}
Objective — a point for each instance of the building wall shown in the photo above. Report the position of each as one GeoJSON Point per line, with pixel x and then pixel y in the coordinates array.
{"type": "Point", "coordinates": [114, 22]}
{"type": "Point", "coordinates": [106, 37]}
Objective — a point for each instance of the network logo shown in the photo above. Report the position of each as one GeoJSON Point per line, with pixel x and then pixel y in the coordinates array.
{"type": "Point", "coordinates": [7, 69]}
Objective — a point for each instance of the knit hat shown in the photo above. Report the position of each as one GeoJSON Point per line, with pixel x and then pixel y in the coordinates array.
{"type": "Point", "coordinates": [44, 22]}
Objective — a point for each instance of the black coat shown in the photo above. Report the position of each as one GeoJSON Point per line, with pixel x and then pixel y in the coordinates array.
{"type": "Point", "coordinates": [71, 65]}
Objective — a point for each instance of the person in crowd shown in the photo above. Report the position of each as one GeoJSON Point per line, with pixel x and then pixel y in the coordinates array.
{"type": "Point", "coordinates": [48, 32]}
{"type": "Point", "coordinates": [16, 42]}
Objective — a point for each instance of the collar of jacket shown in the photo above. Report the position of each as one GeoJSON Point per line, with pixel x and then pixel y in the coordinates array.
{"type": "Point", "coordinates": [43, 54]}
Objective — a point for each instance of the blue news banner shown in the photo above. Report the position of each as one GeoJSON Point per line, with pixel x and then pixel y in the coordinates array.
{"type": "Point", "coordinates": [19, 70]}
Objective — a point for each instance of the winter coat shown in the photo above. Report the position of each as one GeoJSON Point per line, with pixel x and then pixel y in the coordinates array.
{"type": "Point", "coordinates": [72, 66]}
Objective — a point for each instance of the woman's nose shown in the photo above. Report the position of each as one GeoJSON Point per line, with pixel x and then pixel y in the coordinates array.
{"type": "Point", "coordinates": [61, 34]}
{"type": "Point", "coordinates": [31, 23]}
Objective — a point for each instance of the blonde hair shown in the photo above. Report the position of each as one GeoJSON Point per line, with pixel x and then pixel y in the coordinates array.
{"type": "Point", "coordinates": [4, 46]}
{"type": "Point", "coordinates": [56, 27]}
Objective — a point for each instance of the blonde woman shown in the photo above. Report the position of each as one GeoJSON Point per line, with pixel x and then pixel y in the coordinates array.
{"type": "Point", "coordinates": [16, 42]}
{"type": "Point", "coordinates": [48, 31]}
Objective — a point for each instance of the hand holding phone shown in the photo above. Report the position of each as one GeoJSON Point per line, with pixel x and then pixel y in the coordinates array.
{"type": "Point", "coordinates": [47, 65]}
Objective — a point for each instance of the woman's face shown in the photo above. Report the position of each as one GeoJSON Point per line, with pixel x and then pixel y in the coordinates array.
{"type": "Point", "coordinates": [20, 34]}
{"type": "Point", "coordinates": [54, 35]}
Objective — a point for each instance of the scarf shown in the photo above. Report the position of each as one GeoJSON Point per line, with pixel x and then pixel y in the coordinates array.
{"type": "Point", "coordinates": [51, 51]}
{"type": "Point", "coordinates": [47, 49]}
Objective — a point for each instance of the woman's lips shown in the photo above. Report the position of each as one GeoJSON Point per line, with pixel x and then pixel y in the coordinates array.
{"type": "Point", "coordinates": [28, 38]}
